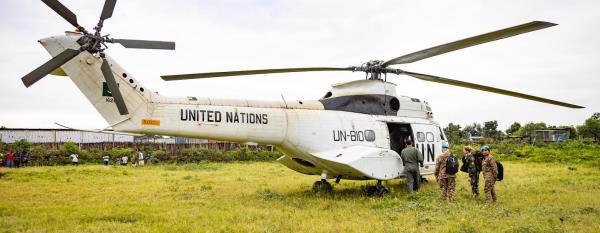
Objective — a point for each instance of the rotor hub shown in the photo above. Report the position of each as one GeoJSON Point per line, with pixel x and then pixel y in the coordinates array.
{"type": "Point", "coordinates": [375, 69]}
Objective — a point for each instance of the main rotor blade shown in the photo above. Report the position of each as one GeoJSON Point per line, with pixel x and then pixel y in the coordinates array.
{"type": "Point", "coordinates": [49, 66]}
{"type": "Point", "coordinates": [452, 82]}
{"type": "Point", "coordinates": [63, 11]}
{"type": "Point", "coordinates": [471, 41]}
{"type": "Point", "coordinates": [250, 72]}
{"type": "Point", "coordinates": [113, 87]}
{"type": "Point", "coordinates": [107, 10]}
{"type": "Point", "coordinates": [145, 44]}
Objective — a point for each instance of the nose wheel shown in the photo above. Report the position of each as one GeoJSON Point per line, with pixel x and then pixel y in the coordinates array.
{"type": "Point", "coordinates": [378, 190]}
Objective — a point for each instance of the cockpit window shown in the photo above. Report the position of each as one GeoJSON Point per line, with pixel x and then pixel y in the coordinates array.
{"type": "Point", "coordinates": [420, 136]}
{"type": "Point", "coordinates": [430, 137]}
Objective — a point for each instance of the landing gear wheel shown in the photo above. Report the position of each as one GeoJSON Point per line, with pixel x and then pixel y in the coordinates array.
{"type": "Point", "coordinates": [322, 186]}
{"type": "Point", "coordinates": [377, 190]}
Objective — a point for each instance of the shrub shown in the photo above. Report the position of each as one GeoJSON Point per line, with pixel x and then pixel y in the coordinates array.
{"type": "Point", "coordinates": [159, 156]}
{"type": "Point", "coordinates": [572, 151]}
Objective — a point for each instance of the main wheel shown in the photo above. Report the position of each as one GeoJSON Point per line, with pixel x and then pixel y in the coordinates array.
{"type": "Point", "coordinates": [326, 187]}
{"type": "Point", "coordinates": [322, 186]}
{"type": "Point", "coordinates": [377, 191]}
{"type": "Point", "coordinates": [371, 191]}
{"type": "Point", "coordinates": [317, 186]}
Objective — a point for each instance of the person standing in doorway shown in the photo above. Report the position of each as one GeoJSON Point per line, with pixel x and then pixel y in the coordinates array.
{"type": "Point", "coordinates": [412, 159]}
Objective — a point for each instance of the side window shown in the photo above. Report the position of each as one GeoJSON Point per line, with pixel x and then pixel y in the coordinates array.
{"type": "Point", "coordinates": [430, 137]}
{"type": "Point", "coordinates": [420, 136]}
{"type": "Point", "coordinates": [369, 135]}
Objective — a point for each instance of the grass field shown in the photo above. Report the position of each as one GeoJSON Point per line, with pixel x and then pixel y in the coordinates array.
{"type": "Point", "coordinates": [267, 197]}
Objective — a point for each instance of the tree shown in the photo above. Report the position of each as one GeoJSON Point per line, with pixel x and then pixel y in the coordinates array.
{"type": "Point", "coordinates": [572, 131]}
{"type": "Point", "coordinates": [20, 145]}
{"type": "Point", "coordinates": [69, 148]}
{"type": "Point", "coordinates": [474, 130]}
{"type": "Point", "coordinates": [453, 133]}
{"type": "Point", "coordinates": [513, 128]}
{"type": "Point", "coordinates": [596, 116]}
{"type": "Point", "coordinates": [590, 129]}
{"type": "Point", "coordinates": [490, 129]}
{"type": "Point", "coordinates": [530, 128]}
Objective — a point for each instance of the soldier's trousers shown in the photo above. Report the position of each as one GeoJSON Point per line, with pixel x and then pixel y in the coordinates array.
{"type": "Point", "coordinates": [474, 180]}
{"type": "Point", "coordinates": [413, 179]}
{"type": "Point", "coordinates": [447, 188]}
{"type": "Point", "coordinates": [490, 191]}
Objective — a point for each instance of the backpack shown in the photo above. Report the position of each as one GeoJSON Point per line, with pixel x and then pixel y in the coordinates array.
{"type": "Point", "coordinates": [500, 171]}
{"type": "Point", "coordinates": [478, 161]}
{"type": "Point", "coordinates": [464, 167]}
{"type": "Point", "coordinates": [451, 165]}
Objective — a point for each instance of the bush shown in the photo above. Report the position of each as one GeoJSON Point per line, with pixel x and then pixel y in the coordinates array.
{"type": "Point", "coordinates": [69, 148]}
{"type": "Point", "coordinates": [40, 156]}
{"type": "Point", "coordinates": [117, 152]}
{"type": "Point", "coordinates": [571, 151]}
{"type": "Point", "coordinates": [159, 156]}
{"type": "Point", "coordinates": [56, 157]}
{"type": "Point", "coordinates": [195, 155]}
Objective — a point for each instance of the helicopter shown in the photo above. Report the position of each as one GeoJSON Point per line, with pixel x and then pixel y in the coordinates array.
{"type": "Point", "coordinates": [356, 131]}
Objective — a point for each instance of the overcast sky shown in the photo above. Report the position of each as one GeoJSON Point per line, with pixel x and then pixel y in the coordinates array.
{"type": "Point", "coordinates": [560, 62]}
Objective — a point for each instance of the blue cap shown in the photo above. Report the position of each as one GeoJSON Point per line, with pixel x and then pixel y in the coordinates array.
{"type": "Point", "coordinates": [445, 145]}
{"type": "Point", "coordinates": [485, 147]}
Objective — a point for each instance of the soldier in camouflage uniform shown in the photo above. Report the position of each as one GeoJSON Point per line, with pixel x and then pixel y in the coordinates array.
{"type": "Point", "coordinates": [446, 181]}
{"type": "Point", "coordinates": [490, 173]}
{"type": "Point", "coordinates": [472, 160]}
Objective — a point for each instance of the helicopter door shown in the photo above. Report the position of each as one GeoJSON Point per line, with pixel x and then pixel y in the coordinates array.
{"type": "Point", "coordinates": [428, 139]}
{"type": "Point", "coordinates": [398, 134]}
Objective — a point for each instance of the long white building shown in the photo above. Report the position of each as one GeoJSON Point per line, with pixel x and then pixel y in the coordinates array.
{"type": "Point", "coordinates": [8, 135]}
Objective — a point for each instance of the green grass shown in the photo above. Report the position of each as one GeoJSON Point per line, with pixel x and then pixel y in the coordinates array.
{"type": "Point", "coordinates": [267, 197]}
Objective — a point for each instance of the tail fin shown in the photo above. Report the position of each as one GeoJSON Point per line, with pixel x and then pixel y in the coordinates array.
{"type": "Point", "coordinates": [84, 70]}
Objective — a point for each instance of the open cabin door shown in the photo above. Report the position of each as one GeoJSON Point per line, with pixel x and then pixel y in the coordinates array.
{"type": "Point", "coordinates": [399, 132]}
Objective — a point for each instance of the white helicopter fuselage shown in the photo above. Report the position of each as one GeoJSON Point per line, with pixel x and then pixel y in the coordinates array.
{"type": "Point", "coordinates": [351, 133]}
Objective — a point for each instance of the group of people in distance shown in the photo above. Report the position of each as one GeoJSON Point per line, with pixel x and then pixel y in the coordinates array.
{"type": "Point", "coordinates": [447, 167]}
{"type": "Point", "coordinates": [137, 160]}
{"type": "Point", "coordinates": [14, 158]}
{"type": "Point", "coordinates": [21, 159]}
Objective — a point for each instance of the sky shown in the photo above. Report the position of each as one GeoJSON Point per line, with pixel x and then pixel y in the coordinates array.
{"type": "Point", "coordinates": [560, 62]}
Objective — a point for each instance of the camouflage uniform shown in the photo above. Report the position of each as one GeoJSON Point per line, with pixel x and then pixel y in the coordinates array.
{"type": "Point", "coordinates": [446, 181]}
{"type": "Point", "coordinates": [473, 164]}
{"type": "Point", "coordinates": [490, 172]}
